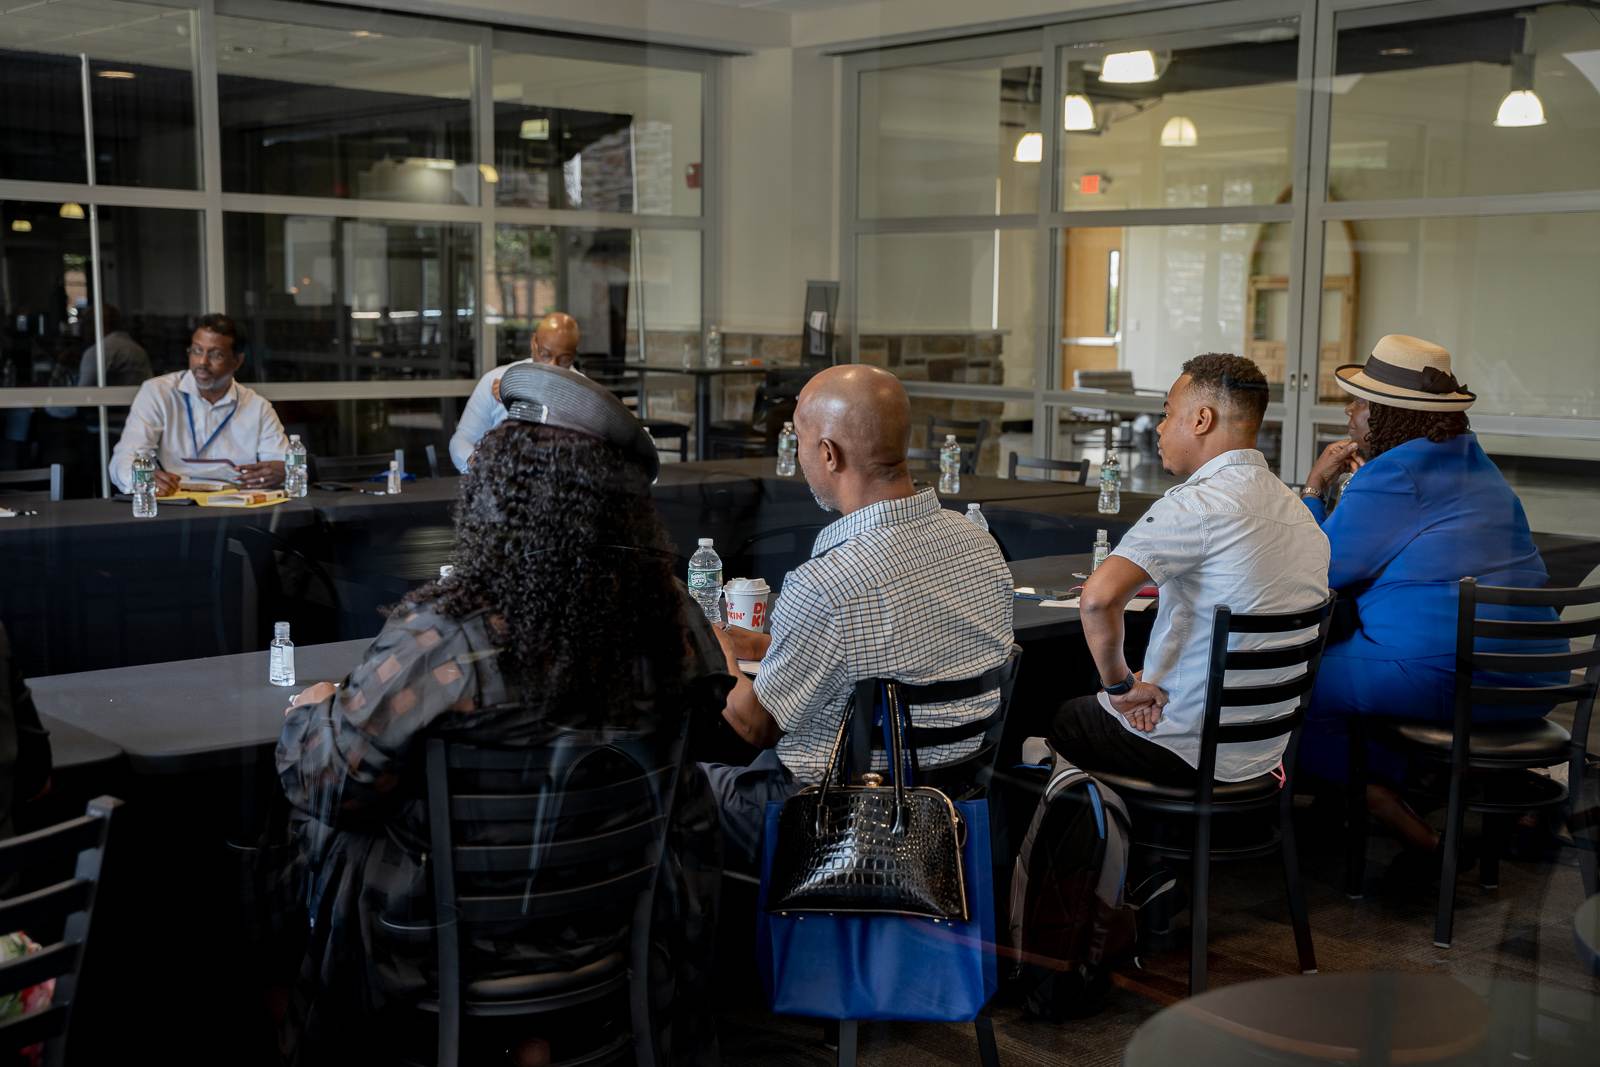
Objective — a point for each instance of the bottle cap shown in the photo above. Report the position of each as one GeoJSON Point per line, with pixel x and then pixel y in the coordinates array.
{"type": "Point", "coordinates": [1100, 535]}
{"type": "Point", "coordinates": [788, 426]}
{"type": "Point", "coordinates": [294, 439]}
{"type": "Point", "coordinates": [973, 506]}
{"type": "Point", "coordinates": [949, 438]}
{"type": "Point", "coordinates": [394, 464]}
{"type": "Point", "coordinates": [446, 571]}
{"type": "Point", "coordinates": [705, 542]}
{"type": "Point", "coordinates": [280, 630]}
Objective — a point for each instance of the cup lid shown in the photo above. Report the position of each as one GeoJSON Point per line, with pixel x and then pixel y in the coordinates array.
{"type": "Point", "coordinates": [747, 585]}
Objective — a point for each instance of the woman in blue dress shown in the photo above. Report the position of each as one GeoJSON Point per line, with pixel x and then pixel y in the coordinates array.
{"type": "Point", "coordinates": [1424, 507]}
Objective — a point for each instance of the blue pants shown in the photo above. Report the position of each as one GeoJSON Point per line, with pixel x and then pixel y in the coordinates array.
{"type": "Point", "coordinates": [742, 795]}
{"type": "Point", "coordinates": [1401, 689]}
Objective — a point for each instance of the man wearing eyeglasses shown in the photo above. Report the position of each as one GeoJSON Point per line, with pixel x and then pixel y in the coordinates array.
{"type": "Point", "coordinates": [201, 422]}
{"type": "Point", "coordinates": [555, 342]}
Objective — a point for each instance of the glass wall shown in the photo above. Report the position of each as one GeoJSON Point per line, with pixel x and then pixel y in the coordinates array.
{"type": "Point", "coordinates": [396, 200]}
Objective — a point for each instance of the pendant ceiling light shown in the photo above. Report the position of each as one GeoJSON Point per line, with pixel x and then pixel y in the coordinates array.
{"type": "Point", "coordinates": [1179, 132]}
{"type": "Point", "coordinates": [1030, 148]}
{"type": "Point", "coordinates": [1521, 106]}
{"type": "Point", "coordinates": [71, 210]}
{"type": "Point", "coordinates": [1129, 68]}
{"type": "Point", "coordinates": [1077, 113]}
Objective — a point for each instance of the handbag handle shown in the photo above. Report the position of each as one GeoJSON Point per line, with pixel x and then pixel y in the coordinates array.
{"type": "Point", "coordinates": [896, 755]}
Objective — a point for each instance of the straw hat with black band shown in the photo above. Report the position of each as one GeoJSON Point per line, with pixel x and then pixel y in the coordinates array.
{"type": "Point", "coordinates": [1406, 372]}
{"type": "Point", "coordinates": [555, 396]}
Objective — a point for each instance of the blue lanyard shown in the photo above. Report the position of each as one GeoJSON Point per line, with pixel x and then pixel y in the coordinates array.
{"type": "Point", "coordinates": [188, 409]}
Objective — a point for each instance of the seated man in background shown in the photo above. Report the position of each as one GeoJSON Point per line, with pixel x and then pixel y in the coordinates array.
{"type": "Point", "coordinates": [555, 343]}
{"type": "Point", "coordinates": [1232, 534]}
{"type": "Point", "coordinates": [897, 588]}
{"type": "Point", "coordinates": [201, 422]}
{"type": "Point", "coordinates": [127, 363]}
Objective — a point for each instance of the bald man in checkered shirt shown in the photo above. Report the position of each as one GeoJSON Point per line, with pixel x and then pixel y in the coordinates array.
{"type": "Point", "coordinates": [897, 588]}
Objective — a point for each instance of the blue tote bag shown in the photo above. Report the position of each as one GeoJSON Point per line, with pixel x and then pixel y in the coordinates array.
{"type": "Point", "coordinates": [884, 966]}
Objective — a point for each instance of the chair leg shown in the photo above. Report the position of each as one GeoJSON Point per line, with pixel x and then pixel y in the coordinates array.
{"type": "Point", "coordinates": [988, 1053]}
{"type": "Point", "coordinates": [1450, 847]}
{"type": "Point", "coordinates": [1298, 914]}
{"type": "Point", "coordinates": [1355, 857]}
{"type": "Point", "coordinates": [1199, 907]}
{"type": "Point", "coordinates": [847, 1043]}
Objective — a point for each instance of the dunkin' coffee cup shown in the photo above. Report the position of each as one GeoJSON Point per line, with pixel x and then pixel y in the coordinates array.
{"type": "Point", "coordinates": [747, 603]}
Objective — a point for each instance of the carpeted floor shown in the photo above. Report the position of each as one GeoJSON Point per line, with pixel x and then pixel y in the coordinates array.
{"type": "Point", "coordinates": [1521, 930]}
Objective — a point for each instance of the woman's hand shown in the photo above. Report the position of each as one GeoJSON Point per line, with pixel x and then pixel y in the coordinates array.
{"type": "Point", "coordinates": [314, 695]}
{"type": "Point", "coordinates": [1337, 458]}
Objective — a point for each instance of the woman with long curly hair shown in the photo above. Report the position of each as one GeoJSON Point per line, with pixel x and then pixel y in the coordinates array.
{"type": "Point", "coordinates": [1424, 508]}
{"type": "Point", "coordinates": [561, 612]}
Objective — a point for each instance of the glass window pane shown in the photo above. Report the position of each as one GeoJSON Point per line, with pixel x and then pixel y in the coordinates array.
{"type": "Point", "coordinates": [313, 111]}
{"type": "Point", "coordinates": [151, 268]}
{"type": "Point", "coordinates": [141, 84]}
{"type": "Point", "coordinates": [1210, 123]}
{"type": "Point", "coordinates": [1415, 105]}
{"type": "Point", "coordinates": [331, 299]}
{"type": "Point", "coordinates": [1081, 433]}
{"type": "Point", "coordinates": [951, 139]}
{"type": "Point", "coordinates": [34, 438]}
{"type": "Point", "coordinates": [365, 427]}
{"type": "Point", "coordinates": [950, 307]}
{"type": "Point", "coordinates": [571, 133]}
{"type": "Point", "coordinates": [1511, 297]}
{"type": "Point", "coordinates": [621, 286]}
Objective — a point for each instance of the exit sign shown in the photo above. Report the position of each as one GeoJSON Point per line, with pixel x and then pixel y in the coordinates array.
{"type": "Point", "coordinates": [1093, 184]}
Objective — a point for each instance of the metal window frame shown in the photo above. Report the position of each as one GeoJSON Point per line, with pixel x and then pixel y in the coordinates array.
{"type": "Point", "coordinates": [482, 41]}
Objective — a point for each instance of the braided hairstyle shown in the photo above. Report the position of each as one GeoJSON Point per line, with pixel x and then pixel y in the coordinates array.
{"type": "Point", "coordinates": [557, 538]}
{"type": "Point", "coordinates": [1389, 427]}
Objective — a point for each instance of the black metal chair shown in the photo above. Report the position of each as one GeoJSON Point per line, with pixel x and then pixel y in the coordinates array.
{"type": "Point", "coordinates": [666, 430]}
{"type": "Point", "coordinates": [965, 779]}
{"type": "Point", "coordinates": [67, 905]}
{"type": "Point", "coordinates": [354, 468]}
{"type": "Point", "coordinates": [35, 481]}
{"type": "Point", "coordinates": [1076, 470]}
{"type": "Point", "coordinates": [969, 434]}
{"type": "Point", "coordinates": [530, 841]}
{"type": "Point", "coordinates": [772, 554]}
{"type": "Point", "coordinates": [1209, 798]}
{"type": "Point", "coordinates": [1501, 755]}
{"type": "Point", "coordinates": [922, 459]}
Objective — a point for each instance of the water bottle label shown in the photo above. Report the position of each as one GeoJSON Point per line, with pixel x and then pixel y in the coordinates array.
{"type": "Point", "coordinates": [705, 579]}
{"type": "Point", "coordinates": [143, 476]}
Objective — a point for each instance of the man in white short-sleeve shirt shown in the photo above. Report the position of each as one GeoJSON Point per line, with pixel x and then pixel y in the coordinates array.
{"type": "Point", "coordinates": [1232, 534]}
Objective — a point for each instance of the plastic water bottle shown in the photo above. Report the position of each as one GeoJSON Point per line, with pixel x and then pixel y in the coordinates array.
{"type": "Point", "coordinates": [294, 468]}
{"type": "Point", "coordinates": [950, 465]}
{"type": "Point", "coordinates": [975, 516]}
{"type": "Point", "coordinates": [713, 346]}
{"type": "Point", "coordinates": [281, 658]}
{"type": "Point", "coordinates": [446, 571]}
{"type": "Point", "coordinates": [705, 580]}
{"type": "Point", "coordinates": [1110, 484]}
{"type": "Point", "coordinates": [788, 448]}
{"type": "Point", "coordinates": [394, 477]}
{"type": "Point", "coordinates": [1102, 549]}
{"type": "Point", "coordinates": [144, 483]}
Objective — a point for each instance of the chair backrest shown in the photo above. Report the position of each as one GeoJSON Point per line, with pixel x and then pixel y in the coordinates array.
{"type": "Point", "coordinates": [346, 468]}
{"type": "Point", "coordinates": [540, 838]}
{"type": "Point", "coordinates": [1470, 662]}
{"type": "Point", "coordinates": [973, 772]}
{"type": "Point", "coordinates": [772, 554]}
{"type": "Point", "coordinates": [34, 481]}
{"type": "Point", "coordinates": [969, 434]}
{"type": "Point", "coordinates": [68, 905]}
{"type": "Point", "coordinates": [922, 459]}
{"type": "Point", "coordinates": [430, 452]}
{"type": "Point", "coordinates": [1306, 652]}
{"type": "Point", "coordinates": [1076, 470]}
{"type": "Point", "coordinates": [1112, 381]}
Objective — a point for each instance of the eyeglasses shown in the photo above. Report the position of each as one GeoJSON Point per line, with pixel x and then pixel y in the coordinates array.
{"type": "Point", "coordinates": [211, 355]}
{"type": "Point", "coordinates": [560, 359]}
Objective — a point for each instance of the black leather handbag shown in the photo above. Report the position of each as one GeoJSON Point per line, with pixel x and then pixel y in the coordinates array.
{"type": "Point", "coordinates": [870, 848]}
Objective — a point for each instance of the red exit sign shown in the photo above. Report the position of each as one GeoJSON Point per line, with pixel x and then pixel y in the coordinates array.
{"type": "Point", "coordinates": [1093, 184]}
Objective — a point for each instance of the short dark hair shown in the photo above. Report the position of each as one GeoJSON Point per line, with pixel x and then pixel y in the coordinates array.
{"type": "Point", "coordinates": [217, 322]}
{"type": "Point", "coordinates": [1234, 379]}
{"type": "Point", "coordinates": [1389, 426]}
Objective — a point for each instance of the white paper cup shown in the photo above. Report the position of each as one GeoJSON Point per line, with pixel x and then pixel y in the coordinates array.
{"type": "Point", "coordinates": [747, 600]}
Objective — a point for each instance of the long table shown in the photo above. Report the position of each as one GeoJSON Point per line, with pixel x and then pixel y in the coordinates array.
{"type": "Point", "coordinates": [86, 586]}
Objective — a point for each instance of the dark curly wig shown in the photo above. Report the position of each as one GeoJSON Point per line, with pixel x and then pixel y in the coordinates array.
{"type": "Point", "coordinates": [556, 536]}
{"type": "Point", "coordinates": [1390, 426]}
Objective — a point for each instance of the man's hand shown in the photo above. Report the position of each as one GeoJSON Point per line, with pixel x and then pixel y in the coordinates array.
{"type": "Point", "coordinates": [740, 643]}
{"type": "Point", "coordinates": [314, 695]}
{"type": "Point", "coordinates": [166, 483]}
{"type": "Point", "coordinates": [268, 475]}
{"type": "Point", "coordinates": [1337, 458]}
{"type": "Point", "coordinates": [1141, 705]}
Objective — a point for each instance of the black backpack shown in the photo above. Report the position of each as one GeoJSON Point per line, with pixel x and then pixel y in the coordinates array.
{"type": "Point", "coordinates": [1070, 923]}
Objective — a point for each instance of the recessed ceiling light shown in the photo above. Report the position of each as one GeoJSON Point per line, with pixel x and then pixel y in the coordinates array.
{"type": "Point", "coordinates": [117, 75]}
{"type": "Point", "coordinates": [364, 33]}
{"type": "Point", "coordinates": [21, 226]}
{"type": "Point", "coordinates": [535, 130]}
{"type": "Point", "coordinates": [1392, 52]}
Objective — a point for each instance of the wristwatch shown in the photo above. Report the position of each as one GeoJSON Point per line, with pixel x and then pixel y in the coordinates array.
{"type": "Point", "coordinates": [1308, 491]}
{"type": "Point", "coordinates": [1121, 687]}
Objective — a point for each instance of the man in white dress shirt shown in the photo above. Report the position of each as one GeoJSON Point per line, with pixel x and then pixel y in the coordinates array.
{"type": "Point", "coordinates": [1231, 534]}
{"type": "Point", "coordinates": [555, 342]}
{"type": "Point", "coordinates": [201, 422]}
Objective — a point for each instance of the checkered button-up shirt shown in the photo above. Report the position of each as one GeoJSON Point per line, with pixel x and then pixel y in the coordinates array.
{"type": "Point", "coordinates": [900, 589]}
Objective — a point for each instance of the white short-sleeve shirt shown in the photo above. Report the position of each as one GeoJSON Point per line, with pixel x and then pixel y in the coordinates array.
{"type": "Point", "coordinates": [1233, 535]}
